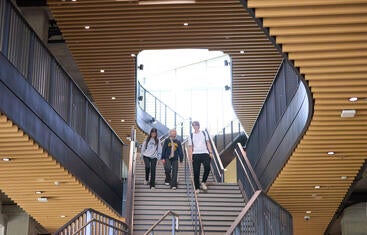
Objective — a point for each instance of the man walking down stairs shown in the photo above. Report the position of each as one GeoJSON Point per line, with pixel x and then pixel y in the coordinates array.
{"type": "Point", "coordinates": [219, 205]}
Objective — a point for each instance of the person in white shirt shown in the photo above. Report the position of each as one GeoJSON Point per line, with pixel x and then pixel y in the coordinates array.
{"type": "Point", "coordinates": [151, 151]}
{"type": "Point", "coordinates": [200, 151]}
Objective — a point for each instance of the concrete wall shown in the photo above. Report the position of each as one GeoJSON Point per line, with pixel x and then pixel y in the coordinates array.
{"type": "Point", "coordinates": [2, 221]}
{"type": "Point", "coordinates": [354, 219]}
{"type": "Point", "coordinates": [230, 175]}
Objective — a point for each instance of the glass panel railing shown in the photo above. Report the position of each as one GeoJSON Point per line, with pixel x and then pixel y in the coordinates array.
{"type": "Point", "coordinates": [161, 112]}
{"type": "Point", "coordinates": [25, 50]}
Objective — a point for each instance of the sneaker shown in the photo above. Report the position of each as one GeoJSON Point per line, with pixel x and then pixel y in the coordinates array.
{"type": "Point", "coordinates": [166, 183]}
{"type": "Point", "coordinates": [152, 188]}
{"type": "Point", "coordinates": [197, 191]}
{"type": "Point", "coordinates": [203, 186]}
{"type": "Point", "coordinates": [146, 182]}
{"type": "Point", "coordinates": [174, 188]}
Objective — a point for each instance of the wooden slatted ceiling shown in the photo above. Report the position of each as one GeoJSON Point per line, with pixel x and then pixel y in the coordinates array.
{"type": "Point", "coordinates": [32, 169]}
{"type": "Point", "coordinates": [328, 42]}
{"type": "Point", "coordinates": [121, 28]}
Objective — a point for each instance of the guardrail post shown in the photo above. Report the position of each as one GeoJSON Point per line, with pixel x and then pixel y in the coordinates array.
{"type": "Point", "coordinates": [88, 228]}
{"type": "Point", "coordinates": [231, 130]}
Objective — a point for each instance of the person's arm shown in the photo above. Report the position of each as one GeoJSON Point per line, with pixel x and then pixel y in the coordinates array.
{"type": "Point", "coordinates": [180, 152]}
{"type": "Point", "coordinates": [159, 150]}
{"type": "Point", "coordinates": [164, 151]}
{"type": "Point", "coordinates": [209, 146]}
{"type": "Point", "coordinates": [189, 142]}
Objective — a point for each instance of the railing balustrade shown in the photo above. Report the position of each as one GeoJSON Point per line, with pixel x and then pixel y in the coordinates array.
{"type": "Point", "coordinates": [91, 222]}
{"type": "Point", "coordinates": [31, 57]}
{"type": "Point", "coordinates": [175, 223]}
{"type": "Point", "coordinates": [228, 135]}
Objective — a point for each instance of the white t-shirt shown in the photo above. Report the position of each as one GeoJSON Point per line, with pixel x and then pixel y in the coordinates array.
{"type": "Point", "coordinates": [199, 139]}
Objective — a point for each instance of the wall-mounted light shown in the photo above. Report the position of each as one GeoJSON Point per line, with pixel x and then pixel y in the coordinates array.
{"type": "Point", "coordinates": [141, 67]}
{"type": "Point", "coordinates": [140, 98]}
{"type": "Point", "coordinates": [227, 88]}
{"type": "Point", "coordinates": [226, 63]}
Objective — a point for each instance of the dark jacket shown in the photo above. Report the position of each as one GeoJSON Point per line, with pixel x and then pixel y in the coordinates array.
{"type": "Point", "coordinates": [166, 150]}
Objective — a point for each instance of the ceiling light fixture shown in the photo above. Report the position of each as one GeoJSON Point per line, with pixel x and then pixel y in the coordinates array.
{"type": "Point", "coordinates": [308, 212]}
{"type": "Point", "coordinates": [344, 177]}
{"type": "Point", "coordinates": [242, 52]}
{"type": "Point", "coordinates": [62, 216]}
{"type": "Point", "coordinates": [186, 24]}
{"type": "Point", "coordinates": [102, 70]}
{"type": "Point", "coordinates": [317, 187]}
{"type": "Point", "coordinates": [87, 27]}
{"type": "Point", "coordinates": [39, 192]}
{"type": "Point", "coordinates": [113, 98]}
{"type": "Point", "coordinates": [42, 199]}
{"type": "Point", "coordinates": [353, 99]}
{"type": "Point", "coordinates": [6, 159]}
{"type": "Point", "coordinates": [73, 0]}
{"type": "Point", "coordinates": [122, 120]}
{"type": "Point", "coordinates": [57, 183]}
{"type": "Point", "coordinates": [330, 153]}
{"type": "Point", "coordinates": [348, 113]}
{"type": "Point", "coordinates": [133, 55]}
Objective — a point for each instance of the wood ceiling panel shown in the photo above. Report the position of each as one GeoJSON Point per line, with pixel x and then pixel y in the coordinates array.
{"type": "Point", "coordinates": [32, 169]}
{"type": "Point", "coordinates": [119, 29]}
{"type": "Point", "coordinates": [327, 40]}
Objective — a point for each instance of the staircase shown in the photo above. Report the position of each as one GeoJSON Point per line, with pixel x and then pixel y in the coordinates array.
{"type": "Point", "coordinates": [150, 205]}
{"type": "Point", "coordinates": [220, 206]}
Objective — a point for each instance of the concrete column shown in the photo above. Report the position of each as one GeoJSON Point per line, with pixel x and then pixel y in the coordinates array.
{"type": "Point", "coordinates": [37, 17]}
{"type": "Point", "coordinates": [18, 220]}
{"type": "Point", "coordinates": [2, 221]}
{"type": "Point", "coordinates": [354, 219]}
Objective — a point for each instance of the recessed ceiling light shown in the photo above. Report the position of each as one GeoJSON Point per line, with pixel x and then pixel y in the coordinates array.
{"type": "Point", "coordinates": [102, 70]}
{"type": "Point", "coordinates": [348, 113]}
{"type": "Point", "coordinates": [6, 159]}
{"type": "Point", "coordinates": [242, 52]}
{"type": "Point", "coordinates": [73, 0]}
{"type": "Point", "coordinates": [113, 98]}
{"type": "Point", "coordinates": [308, 212]}
{"type": "Point", "coordinates": [62, 216]}
{"type": "Point", "coordinates": [353, 99]}
{"type": "Point", "coordinates": [39, 192]}
{"type": "Point", "coordinates": [122, 120]}
{"type": "Point", "coordinates": [186, 24]}
{"type": "Point", "coordinates": [87, 27]}
{"type": "Point", "coordinates": [133, 55]}
{"type": "Point", "coordinates": [57, 183]}
{"type": "Point", "coordinates": [42, 199]}
{"type": "Point", "coordinates": [344, 177]}
{"type": "Point", "coordinates": [317, 187]}
{"type": "Point", "coordinates": [330, 153]}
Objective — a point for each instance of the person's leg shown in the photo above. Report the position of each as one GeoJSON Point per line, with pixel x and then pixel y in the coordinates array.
{"type": "Point", "coordinates": [174, 164]}
{"type": "Point", "coordinates": [167, 171]}
{"type": "Point", "coordinates": [196, 168]}
{"type": "Point", "coordinates": [153, 166]}
{"type": "Point", "coordinates": [147, 167]}
{"type": "Point", "coordinates": [206, 163]}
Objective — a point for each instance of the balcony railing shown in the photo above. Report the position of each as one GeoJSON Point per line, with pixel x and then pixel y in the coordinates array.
{"type": "Point", "coordinates": [228, 135]}
{"type": "Point", "coordinates": [161, 112]}
{"type": "Point", "coordinates": [262, 215]}
{"type": "Point", "coordinates": [91, 222]}
{"type": "Point", "coordinates": [29, 55]}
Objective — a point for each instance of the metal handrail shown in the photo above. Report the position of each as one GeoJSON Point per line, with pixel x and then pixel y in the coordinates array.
{"type": "Point", "coordinates": [193, 191]}
{"type": "Point", "coordinates": [169, 212]}
{"type": "Point", "coordinates": [219, 169]}
{"type": "Point", "coordinates": [75, 218]}
{"type": "Point", "coordinates": [248, 164]}
{"type": "Point", "coordinates": [244, 211]}
{"type": "Point", "coordinates": [131, 187]}
{"type": "Point", "coordinates": [99, 222]}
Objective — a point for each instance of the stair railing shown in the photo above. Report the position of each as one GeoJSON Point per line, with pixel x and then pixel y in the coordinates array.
{"type": "Point", "coordinates": [262, 215]}
{"type": "Point", "coordinates": [228, 135]}
{"type": "Point", "coordinates": [175, 223]}
{"type": "Point", "coordinates": [191, 193]}
{"type": "Point", "coordinates": [216, 164]}
{"type": "Point", "coordinates": [92, 222]}
{"type": "Point", "coordinates": [245, 173]}
{"type": "Point", "coordinates": [130, 190]}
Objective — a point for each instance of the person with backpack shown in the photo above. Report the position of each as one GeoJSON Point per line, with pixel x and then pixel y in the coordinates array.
{"type": "Point", "coordinates": [200, 151]}
{"type": "Point", "coordinates": [151, 151]}
{"type": "Point", "coordinates": [171, 153]}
